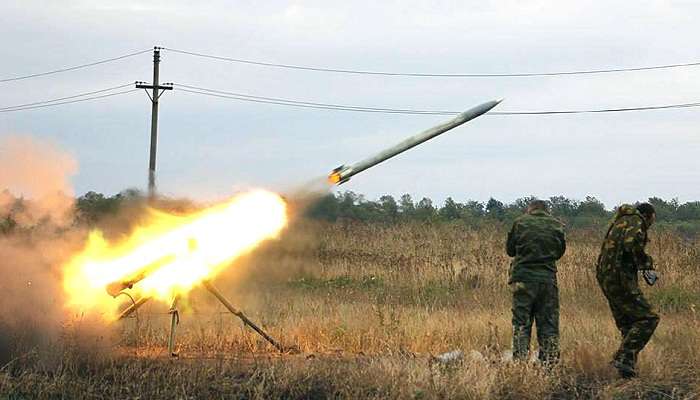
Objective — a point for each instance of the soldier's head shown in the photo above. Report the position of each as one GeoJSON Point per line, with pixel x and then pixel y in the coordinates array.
{"type": "Point", "coordinates": [648, 212]}
{"type": "Point", "coordinates": [537, 205]}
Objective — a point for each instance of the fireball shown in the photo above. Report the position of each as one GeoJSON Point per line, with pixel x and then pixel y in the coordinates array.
{"type": "Point", "coordinates": [171, 254]}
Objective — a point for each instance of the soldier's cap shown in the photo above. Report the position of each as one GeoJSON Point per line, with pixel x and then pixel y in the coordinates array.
{"type": "Point", "coordinates": [626, 209]}
{"type": "Point", "coordinates": [538, 204]}
{"type": "Point", "coordinates": [645, 209]}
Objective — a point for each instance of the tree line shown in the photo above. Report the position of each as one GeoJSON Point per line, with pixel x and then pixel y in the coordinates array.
{"type": "Point", "coordinates": [350, 206]}
{"type": "Point", "coordinates": [588, 212]}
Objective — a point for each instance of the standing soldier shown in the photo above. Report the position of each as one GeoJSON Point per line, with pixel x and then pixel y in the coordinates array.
{"type": "Point", "coordinates": [536, 242]}
{"type": "Point", "coordinates": [621, 256]}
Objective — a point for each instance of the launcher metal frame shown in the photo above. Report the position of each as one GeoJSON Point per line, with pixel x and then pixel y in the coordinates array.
{"type": "Point", "coordinates": [175, 318]}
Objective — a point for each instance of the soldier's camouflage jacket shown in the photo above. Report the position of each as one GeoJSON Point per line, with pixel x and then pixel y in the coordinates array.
{"type": "Point", "coordinates": [535, 242]}
{"type": "Point", "coordinates": [623, 247]}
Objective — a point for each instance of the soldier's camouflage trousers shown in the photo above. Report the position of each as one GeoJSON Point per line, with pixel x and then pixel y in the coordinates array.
{"type": "Point", "coordinates": [634, 316]}
{"type": "Point", "coordinates": [536, 302]}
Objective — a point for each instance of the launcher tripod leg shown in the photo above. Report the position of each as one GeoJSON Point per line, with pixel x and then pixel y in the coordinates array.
{"type": "Point", "coordinates": [211, 288]}
{"type": "Point", "coordinates": [133, 307]}
{"type": "Point", "coordinates": [174, 321]}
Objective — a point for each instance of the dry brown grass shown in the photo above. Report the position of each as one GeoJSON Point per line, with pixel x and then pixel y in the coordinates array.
{"type": "Point", "coordinates": [368, 305]}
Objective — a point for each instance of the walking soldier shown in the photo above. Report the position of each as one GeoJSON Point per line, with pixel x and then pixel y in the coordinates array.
{"type": "Point", "coordinates": [622, 255]}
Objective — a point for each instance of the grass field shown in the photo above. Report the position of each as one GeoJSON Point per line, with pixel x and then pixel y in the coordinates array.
{"type": "Point", "coordinates": [369, 306]}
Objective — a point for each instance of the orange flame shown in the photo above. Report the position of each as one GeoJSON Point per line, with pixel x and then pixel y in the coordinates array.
{"type": "Point", "coordinates": [334, 178]}
{"type": "Point", "coordinates": [172, 254]}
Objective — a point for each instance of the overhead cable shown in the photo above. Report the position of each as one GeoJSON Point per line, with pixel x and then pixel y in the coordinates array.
{"type": "Point", "coordinates": [431, 75]}
{"type": "Point", "coordinates": [71, 101]}
{"type": "Point", "coordinates": [66, 98]}
{"type": "Point", "coordinates": [73, 68]}
{"type": "Point", "coordinates": [300, 103]}
{"type": "Point", "coordinates": [386, 110]}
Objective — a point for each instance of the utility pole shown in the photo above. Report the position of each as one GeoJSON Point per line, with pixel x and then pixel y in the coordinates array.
{"type": "Point", "coordinates": [157, 91]}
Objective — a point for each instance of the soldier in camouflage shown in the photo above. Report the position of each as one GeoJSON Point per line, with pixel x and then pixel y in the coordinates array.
{"type": "Point", "coordinates": [535, 242]}
{"type": "Point", "coordinates": [622, 255]}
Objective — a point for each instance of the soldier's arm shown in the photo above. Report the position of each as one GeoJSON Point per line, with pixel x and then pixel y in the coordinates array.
{"type": "Point", "coordinates": [635, 243]}
{"type": "Point", "coordinates": [510, 242]}
{"type": "Point", "coordinates": [562, 241]}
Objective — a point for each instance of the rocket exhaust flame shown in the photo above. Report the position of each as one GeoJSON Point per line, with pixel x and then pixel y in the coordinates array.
{"type": "Point", "coordinates": [114, 288]}
{"type": "Point", "coordinates": [171, 254]}
{"type": "Point", "coordinates": [334, 177]}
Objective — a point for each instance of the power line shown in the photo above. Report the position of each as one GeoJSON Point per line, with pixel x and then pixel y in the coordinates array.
{"type": "Point", "coordinates": [329, 107]}
{"type": "Point", "coordinates": [317, 105]}
{"type": "Point", "coordinates": [602, 110]}
{"type": "Point", "coordinates": [65, 98]}
{"type": "Point", "coordinates": [432, 75]}
{"type": "Point", "coordinates": [73, 68]}
{"type": "Point", "coordinates": [71, 101]}
{"type": "Point", "coordinates": [303, 104]}
{"type": "Point", "coordinates": [341, 107]}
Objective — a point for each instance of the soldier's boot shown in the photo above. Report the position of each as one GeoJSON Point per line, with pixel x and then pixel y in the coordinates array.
{"type": "Point", "coordinates": [524, 296]}
{"type": "Point", "coordinates": [521, 343]}
{"type": "Point", "coordinates": [547, 320]}
{"type": "Point", "coordinates": [634, 341]}
{"type": "Point", "coordinates": [625, 362]}
{"type": "Point", "coordinates": [549, 352]}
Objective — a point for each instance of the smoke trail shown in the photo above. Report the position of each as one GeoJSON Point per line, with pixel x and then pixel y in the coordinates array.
{"type": "Point", "coordinates": [39, 174]}
{"type": "Point", "coordinates": [36, 207]}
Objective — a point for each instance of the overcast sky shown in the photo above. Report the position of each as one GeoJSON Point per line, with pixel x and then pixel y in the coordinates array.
{"type": "Point", "coordinates": [210, 147]}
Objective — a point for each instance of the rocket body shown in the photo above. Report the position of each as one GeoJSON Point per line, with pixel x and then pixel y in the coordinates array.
{"type": "Point", "coordinates": [343, 173]}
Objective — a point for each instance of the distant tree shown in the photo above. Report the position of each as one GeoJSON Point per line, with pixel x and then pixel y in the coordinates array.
{"type": "Point", "coordinates": [424, 209]}
{"type": "Point", "coordinates": [563, 207]}
{"type": "Point", "coordinates": [689, 211]}
{"type": "Point", "coordinates": [450, 210]}
{"type": "Point", "coordinates": [495, 209]}
{"type": "Point", "coordinates": [473, 209]}
{"type": "Point", "coordinates": [591, 207]}
{"type": "Point", "coordinates": [325, 208]}
{"type": "Point", "coordinates": [92, 205]}
{"type": "Point", "coordinates": [665, 210]}
{"type": "Point", "coordinates": [389, 208]}
{"type": "Point", "coordinates": [406, 206]}
{"type": "Point", "coordinates": [369, 211]}
{"type": "Point", "coordinates": [346, 204]}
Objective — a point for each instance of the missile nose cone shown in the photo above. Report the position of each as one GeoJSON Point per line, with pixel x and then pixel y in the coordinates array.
{"type": "Point", "coordinates": [489, 105]}
{"type": "Point", "coordinates": [493, 103]}
{"type": "Point", "coordinates": [476, 111]}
